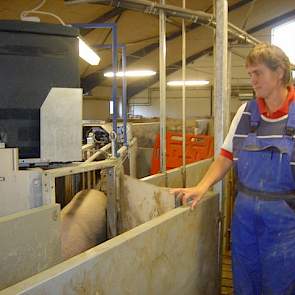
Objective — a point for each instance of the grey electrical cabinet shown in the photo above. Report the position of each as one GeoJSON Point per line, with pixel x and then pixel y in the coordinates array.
{"type": "Point", "coordinates": [34, 57]}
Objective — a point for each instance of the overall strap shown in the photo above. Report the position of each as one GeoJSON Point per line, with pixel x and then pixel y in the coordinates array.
{"type": "Point", "coordinates": [255, 115]}
{"type": "Point", "coordinates": [266, 196]}
{"type": "Point", "coordinates": [290, 126]}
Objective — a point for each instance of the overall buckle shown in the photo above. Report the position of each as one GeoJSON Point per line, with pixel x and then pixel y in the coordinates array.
{"type": "Point", "coordinates": [290, 131]}
{"type": "Point", "coordinates": [253, 126]}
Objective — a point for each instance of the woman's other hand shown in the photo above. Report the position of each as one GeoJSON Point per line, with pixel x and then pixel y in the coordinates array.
{"type": "Point", "coordinates": [190, 196]}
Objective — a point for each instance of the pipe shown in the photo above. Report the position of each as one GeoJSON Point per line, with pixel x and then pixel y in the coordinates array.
{"type": "Point", "coordinates": [114, 87]}
{"type": "Point", "coordinates": [162, 59]}
{"type": "Point", "coordinates": [87, 146]}
{"type": "Point", "coordinates": [113, 27]}
{"type": "Point", "coordinates": [151, 7]}
{"type": "Point", "coordinates": [172, 10]}
{"type": "Point", "coordinates": [183, 171]}
{"type": "Point", "coordinates": [220, 101]}
{"type": "Point", "coordinates": [124, 94]}
{"type": "Point", "coordinates": [97, 153]}
{"type": "Point", "coordinates": [242, 35]}
{"type": "Point", "coordinates": [122, 151]}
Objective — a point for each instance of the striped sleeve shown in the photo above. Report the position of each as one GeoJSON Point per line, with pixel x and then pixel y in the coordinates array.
{"type": "Point", "coordinates": [227, 147]}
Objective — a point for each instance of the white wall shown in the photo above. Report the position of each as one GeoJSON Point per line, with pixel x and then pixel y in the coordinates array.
{"type": "Point", "coordinates": [198, 106]}
{"type": "Point", "coordinates": [94, 109]}
{"type": "Point", "coordinates": [198, 103]}
{"type": "Point", "coordinates": [147, 103]}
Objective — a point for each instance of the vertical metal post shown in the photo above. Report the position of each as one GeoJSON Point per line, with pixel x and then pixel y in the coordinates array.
{"type": "Point", "coordinates": [113, 27]}
{"type": "Point", "coordinates": [112, 194]}
{"type": "Point", "coordinates": [220, 97]}
{"type": "Point", "coordinates": [124, 89]}
{"type": "Point", "coordinates": [227, 101]}
{"type": "Point", "coordinates": [226, 189]}
{"type": "Point", "coordinates": [183, 100]}
{"type": "Point", "coordinates": [114, 87]}
{"type": "Point", "coordinates": [162, 58]}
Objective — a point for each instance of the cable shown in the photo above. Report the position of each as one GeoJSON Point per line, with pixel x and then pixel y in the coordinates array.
{"type": "Point", "coordinates": [24, 14]}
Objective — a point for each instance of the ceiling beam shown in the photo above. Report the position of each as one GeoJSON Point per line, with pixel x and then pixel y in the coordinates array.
{"type": "Point", "coordinates": [94, 79]}
{"type": "Point", "coordinates": [103, 19]}
{"type": "Point", "coordinates": [135, 88]}
{"type": "Point", "coordinates": [272, 21]}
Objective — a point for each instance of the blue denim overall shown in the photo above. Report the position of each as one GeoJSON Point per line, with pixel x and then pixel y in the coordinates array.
{"type": "Point", "coordinates": [263, 227]}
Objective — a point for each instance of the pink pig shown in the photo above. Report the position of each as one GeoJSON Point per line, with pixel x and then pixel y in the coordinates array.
{"type": "Point", "coordinates": [83, 222]}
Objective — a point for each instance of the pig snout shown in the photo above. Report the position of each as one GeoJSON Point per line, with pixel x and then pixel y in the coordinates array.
{"type": "Point", "coordinates": [83, 222]}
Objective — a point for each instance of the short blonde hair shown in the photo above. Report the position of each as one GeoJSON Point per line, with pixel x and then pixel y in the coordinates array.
{"type": "Point", "coordinates": [273, 57]}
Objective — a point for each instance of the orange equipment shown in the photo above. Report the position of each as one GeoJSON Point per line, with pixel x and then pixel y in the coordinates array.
{"type": "Point", "coordinates": [198, 147]}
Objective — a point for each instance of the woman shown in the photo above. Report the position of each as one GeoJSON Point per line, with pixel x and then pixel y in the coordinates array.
{"type": "Point", "coordinates": [260, 145]}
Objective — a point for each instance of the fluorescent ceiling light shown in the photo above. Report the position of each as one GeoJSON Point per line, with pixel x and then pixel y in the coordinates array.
{"type": "Point", "coordinates": [188, 83]}
{"type": "Point", "coordinates": [245, 94]}
{"type": "Point", "coordinates": [139, 73]}
{"type": "Point", "coordinates": [87, 53]}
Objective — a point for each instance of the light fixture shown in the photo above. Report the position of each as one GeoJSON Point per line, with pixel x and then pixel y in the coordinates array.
{"type": "Point", "coordinates": [87, 53]}
{"type": "Point", "coordinates": [136, 74]}
{"type": "Point", "coordinates": [246, 96]}
{"type": "Point", "coordinates": [188, 83]}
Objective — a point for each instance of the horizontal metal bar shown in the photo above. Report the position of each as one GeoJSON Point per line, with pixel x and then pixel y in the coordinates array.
{"type": "Point", "coordinates": [106, 46]}
{"type": "Point", "coordinates": [84, 167]}
{"type": "Point", "coordinates": [150, 7]}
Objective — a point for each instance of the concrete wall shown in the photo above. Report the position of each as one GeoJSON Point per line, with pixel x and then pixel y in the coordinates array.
{"type": "Point", "coordinates": [175, 253]}
{"type": "Point", "coordinates": [29, 243]}
{"type": "Point", "coordinates": [167, 251]}
{"type": "Point", "coordinates": [144, 162]}
{"type": "Point", "coordinates": [141, 202]}
{"type": "Point", "coordinates": [194, 173]}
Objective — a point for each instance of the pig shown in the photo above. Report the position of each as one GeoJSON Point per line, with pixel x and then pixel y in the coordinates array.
{"type": "Point", "coordinates": [83, 222]}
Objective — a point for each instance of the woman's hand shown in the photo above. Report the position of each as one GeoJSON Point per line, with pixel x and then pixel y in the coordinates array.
{"type": "Point", "coordinates": [190, 196]}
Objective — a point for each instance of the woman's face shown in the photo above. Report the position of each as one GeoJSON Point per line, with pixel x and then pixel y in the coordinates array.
{"type": "Point", "coordinates": [265, 81]}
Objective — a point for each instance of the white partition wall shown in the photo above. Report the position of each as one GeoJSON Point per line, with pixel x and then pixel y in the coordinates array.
{"type": "Point", "coordinates": [29, 243]}
{"type": "Point", "coordinates": [175, 253]}
{"type": "Point", "coordinates": [194, 173]}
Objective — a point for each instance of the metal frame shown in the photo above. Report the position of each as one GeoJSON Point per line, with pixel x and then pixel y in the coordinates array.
{"type": "Point", "coordinates": [113, 190]}
{"type": "Point", "coordinates": [113, 186]}
{"type": "Point", "coordinates": [221, 105]}
{"type": "Point", "coordinates": [48, 177]}
{"type": "Point", "coordinates": [124, 85]}
{"type": "Point", "coordinates": [114, 45]}
{"type": "Point", "coordinates": [152, 7]}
